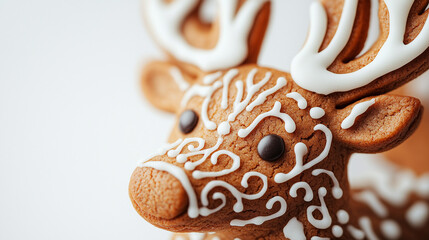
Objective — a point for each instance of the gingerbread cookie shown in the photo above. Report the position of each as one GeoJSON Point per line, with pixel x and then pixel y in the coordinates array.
{"type": "Point", "coordinates": [414, 152]}
{"type": "Point", "coordinates": [257, 153]}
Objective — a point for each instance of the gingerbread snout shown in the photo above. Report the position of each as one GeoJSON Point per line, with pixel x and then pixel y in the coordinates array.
{"type": "Point", "coordinates": [157, 194]}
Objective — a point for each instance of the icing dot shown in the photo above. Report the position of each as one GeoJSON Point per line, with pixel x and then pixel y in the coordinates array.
{"type": "Point", "coordinates": [343, 216]}
{"type": "Point", "coordinates": [417, 215]}
{"type": "Point", "coordinates": [224, 128]}
{"type": "Point", "coordinates": [390, 229]}
{"type": "Point", "coordinates": [188, 120]}
{"type": "Point", "coordinates": [317, 112]}
{"type": "Point", "coordinates": [337, 231]}
{"type": "Point", "coordinates": [271, 147]}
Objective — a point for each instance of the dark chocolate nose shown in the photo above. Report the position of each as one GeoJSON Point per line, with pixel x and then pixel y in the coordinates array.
{"type": "Point", "coordinates": [157, 194]}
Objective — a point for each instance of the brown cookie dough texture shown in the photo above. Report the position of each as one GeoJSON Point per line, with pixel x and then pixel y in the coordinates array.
{"type": "Point", "coordinates": [166, 197]}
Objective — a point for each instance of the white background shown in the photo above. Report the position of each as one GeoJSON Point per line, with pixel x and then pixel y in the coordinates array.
{"type": "Point", "coordinates": [73, 121]}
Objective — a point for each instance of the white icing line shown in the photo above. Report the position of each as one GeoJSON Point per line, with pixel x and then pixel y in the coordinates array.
{"type": "Point", "coordinates": [309, 67]}
{"type": "Point", "coordinates": [251, 90]}
{"type": "Point", "coordinates": [226, 81]}
{"type": "Point", "coordinates": [178, 78]}
{"type": "Point", "coordinates": [210, 125]}
{"type": "Point", "coordinates": [210, 78]}
{"type": "Point", "coordinates": [274, 112]}
{"type": "Point", "coordinates": [317, 113]}
{"type": "Point", "coordinates": [161, 151]}
{"type": "Point", "coordinates": [166, 19]}
{"type": "Point", "coordinates": [202, 91]}
{"type": "Point", "coordinates": [337, 192]}
{"type": "Point", "coordinates": [373, 202]}
{"type": "Point", "coordinates": [326, 220]}
{"type": "Point", "coordinates": [390, 229]}
{"type": "Point", "coordinates": [281, 82]}
{"type": "Point", "coordinates": [308, 191]}
{"type": "Point", "coordinates": [300, 151]}
{"type": "Point", "coordinates": [417, 214]}
{"type": "Point", "coordinates": [180, 175]}
{"type": "Point", "coordinates": [238, 206]}
{"type": "Point", "coordinates": [357, 110]}
{"type": "Point", "coordinates": [356, 233]}
{"type": "Point", "coordinates": [294, 230]}
{"type": "Point", "coordinates": [261, 219]}
{"type": "Point", "coordinates": [365, 224]}
{"type": "Point", "coordinates": [235, 165]}
{"type": "Point", "coordinates": [319, 238]}
{"type": "Point", "coordinates": [302, 103]}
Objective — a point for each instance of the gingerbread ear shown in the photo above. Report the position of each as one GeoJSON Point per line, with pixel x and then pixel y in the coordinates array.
{"type": "Point", "coordinates": [377, 124]}
{"type": "Point", "coordinates": [164, 84]}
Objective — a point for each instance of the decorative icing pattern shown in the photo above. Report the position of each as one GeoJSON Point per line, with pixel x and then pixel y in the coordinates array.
{"type": "Point", "coordinates": [281, 82]}
{"type": "Point", "coordinates": [231, 49]}
{"type": "Point", "coordinates": [178, 79]}
{"type": "Point", "coordinates": [275, 112]}
{"type": "Point", "coordinates": [309, 67]}
{"type": "Point", "coordinates": [300, 151]}
{"type": "Point", "coordinates": [357, 110]}
{"type": "Point", "coordinates": [260, 220]}
{"type": "Point", "coordinates": [326, 220]}
{"type": "Point", "coordinates": [302, 102]}
{"type": "Point", "coordinates": [308, 191]}
{"type": "Point", "coordinates": [165, 21]}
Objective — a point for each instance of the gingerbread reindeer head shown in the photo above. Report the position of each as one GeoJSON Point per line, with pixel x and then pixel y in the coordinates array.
{"type": "Point", "coordinates": [259, 152]}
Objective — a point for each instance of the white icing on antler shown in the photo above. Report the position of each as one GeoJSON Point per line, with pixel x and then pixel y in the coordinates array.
{"type": "Point", "coordinates": [275, 112]}
{"type": "Point", "coordinates": [357, 110]}
{"type": "Point", "coordinates": [300, 151]}
{"type": "Point", "coordinates": [261, 219]}
{"type": "Point", "coordinates": [309, 67]}
{"type": "Point", "coordinates": [165, 21]}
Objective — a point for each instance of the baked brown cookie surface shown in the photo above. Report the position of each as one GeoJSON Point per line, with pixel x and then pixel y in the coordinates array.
{"type": "Point", "coordinates": [257, 153]}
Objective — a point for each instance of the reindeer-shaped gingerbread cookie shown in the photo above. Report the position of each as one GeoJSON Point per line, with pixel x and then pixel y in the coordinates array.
{"type": "Point", "coordinates": [259, 153]}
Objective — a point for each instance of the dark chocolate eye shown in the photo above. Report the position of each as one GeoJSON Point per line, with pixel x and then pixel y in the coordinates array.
{"type": "Point", "coordinates": [271, 147]}
{"type": "Point", "coordinates": [188, 121]}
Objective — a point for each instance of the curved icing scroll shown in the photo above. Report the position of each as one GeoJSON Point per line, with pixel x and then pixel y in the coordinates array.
{"type": "Point", "coordinates": [166, 19]}
{"type": "Point", "coordinates": [309, 67]}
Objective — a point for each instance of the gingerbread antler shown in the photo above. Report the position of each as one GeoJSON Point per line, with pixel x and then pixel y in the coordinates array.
{"type": "Point", "coordinates": [310, 68]}
{"type": "Point", "coordinates": [195, 47]}
{"type": "Point", "coordinates": [166, 19]}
